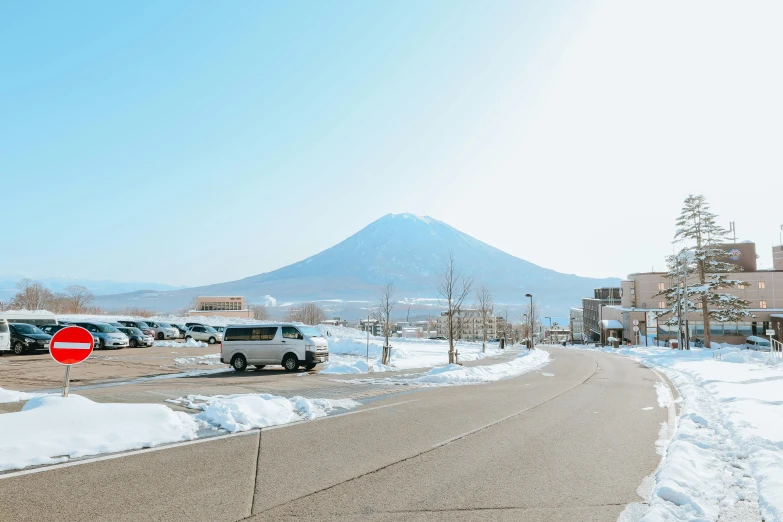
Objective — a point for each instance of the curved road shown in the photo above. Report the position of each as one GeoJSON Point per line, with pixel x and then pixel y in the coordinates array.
{"type": "Point", "coordinates": [570, 442]}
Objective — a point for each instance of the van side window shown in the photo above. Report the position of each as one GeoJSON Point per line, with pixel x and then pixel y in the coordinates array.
{"type": "Point", "coordinates": [263, 334]}
{"type": "Point", "coordinates": [238, 334]}
{"type": "Point", "coordinates": [289, 332]}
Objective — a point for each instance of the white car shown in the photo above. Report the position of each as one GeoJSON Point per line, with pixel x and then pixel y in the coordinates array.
{"type": "Point", "coordinates": [5, 337]}
{"type": "Point", "coordinates": [757, 343]}
{"type": "Point", "coordinates": [163, 330]}
{"type": "Point", "coordinates": [203, 333]}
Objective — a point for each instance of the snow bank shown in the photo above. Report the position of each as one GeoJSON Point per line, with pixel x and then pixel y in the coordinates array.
{"type": "Point", "coordinates": [52, 429]}
{"type": "Point", "coordinates": [212, 358]}
{"type": "Point", "coordinates": [190, 343]}
{"type": "Point", "coordinates": [346, 364]}
{"type": "Point", "coordinates": [726, 456]}
{"type": "Point", "coordinates": [247, 411]}
{"type": "Point", "coordinates": [455, 374]}
{"type": "Point", "coordinates": [15, 396]}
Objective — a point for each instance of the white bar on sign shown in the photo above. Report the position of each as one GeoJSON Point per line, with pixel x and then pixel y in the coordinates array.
{"type": "Point", "coordinates": [72, 346]}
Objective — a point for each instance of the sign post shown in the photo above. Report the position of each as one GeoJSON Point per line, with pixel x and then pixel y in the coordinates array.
{"type": "Point", "coordinates": [70, 346]}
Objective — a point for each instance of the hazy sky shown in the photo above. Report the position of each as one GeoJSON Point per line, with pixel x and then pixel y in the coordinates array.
{"type": "Point", "coordinates": [188, 142]}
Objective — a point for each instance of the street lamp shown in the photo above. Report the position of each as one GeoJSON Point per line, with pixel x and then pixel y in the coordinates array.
{"type": "Point", "coordinates": [530, 345]}
{"type": "Point", "coordinates": [550, 326]}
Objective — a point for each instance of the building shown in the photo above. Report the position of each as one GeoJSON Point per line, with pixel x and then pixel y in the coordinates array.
{"type": "Point", "coordinates": [375, 327]}
{"type": "Point", "coordinates": [469, 325]}
{"type": "Point", "coordinates": [591, 311]}
{"type": "Point", "coordinates": [576, 324]}
{"type": "Point", "coordinates": [224, 306]}
{"type": "Point", "coordinates": [335, 321]}
{"type": "Point", "coordinates": [640, 305]}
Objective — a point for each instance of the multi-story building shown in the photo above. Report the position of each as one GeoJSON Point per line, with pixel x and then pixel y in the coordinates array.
{"type": "Point", "coordinates": [641, 312]}
{"type": "Point", "coordinates": [576, 324]}
{"type": "Point", "coordinates": [469, 325]}
{"type": "Point", "coordinates": [591, 311]}
{"type": "Point", "coordinates": [224, 306]}
{"type": "Point", "coordinates": [375, 327]}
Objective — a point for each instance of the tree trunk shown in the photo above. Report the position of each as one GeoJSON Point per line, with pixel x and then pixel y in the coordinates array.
{"type": "Point", "coordinates": [705, 306]}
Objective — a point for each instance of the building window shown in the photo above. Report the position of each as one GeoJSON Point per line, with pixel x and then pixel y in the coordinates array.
{"type": "Point", "coordinates": [762, 285]}
{"type": "Point", "coordinates": [699, 305]}
{"type": "Point", "coordinates": [762, 304]}
{"type": "Point", "coordinates": [661, 304]}
{"type": "Point", "coordinates": [661, 287]}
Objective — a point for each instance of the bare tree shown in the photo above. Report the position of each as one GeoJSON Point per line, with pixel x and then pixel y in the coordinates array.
{"type": "Point", "coordinates": [77, 298]}
{"type": "Point", "coordinates": [32, 295]}
{"type": "Point", "coordinates": [454, 288]}
{"type": "Point", "coordinates": [4, 306]}
{"type": "Point", "coordinates": [259, 312]}
{"type": "Point", "coordinates": [307, 313]}
{"type": "Point", "coordinates": [381, 313]}
{"type": "Point", "coordinates": [484, 303]}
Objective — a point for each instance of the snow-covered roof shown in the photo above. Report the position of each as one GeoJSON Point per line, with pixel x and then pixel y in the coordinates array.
{"type": "Point", "coordinates": [776, 316]}
{"type": "Point", "coordinates": [612, 324]}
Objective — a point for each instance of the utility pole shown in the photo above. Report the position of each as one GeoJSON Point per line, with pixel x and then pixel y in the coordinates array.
{"type": "Point", "coordinates": [367, 326]}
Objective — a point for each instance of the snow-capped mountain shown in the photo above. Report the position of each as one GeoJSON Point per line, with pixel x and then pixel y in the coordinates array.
{"type": "Point", "coordinates": [403, 248]}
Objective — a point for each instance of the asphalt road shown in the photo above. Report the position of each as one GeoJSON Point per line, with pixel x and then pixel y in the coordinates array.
{"type": "Point", "coordinates": [570, 442]}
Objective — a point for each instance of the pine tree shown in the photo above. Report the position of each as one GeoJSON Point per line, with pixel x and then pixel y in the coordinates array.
{"type": "Point", "coordinates": [699, 272]}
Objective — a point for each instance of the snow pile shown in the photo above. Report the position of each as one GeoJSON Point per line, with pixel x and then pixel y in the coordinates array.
{"type": "Point", "coordinates": [726, 457]}
{"type": "Point", "coordinates": [247, 411]}
{"type": "Point", "coordinates": [405, 353]}
{"type": "Point", "coordinates": [190, 343]}
{"type": "Point", "coordinates": [455, 374]}
{"type": "Point", "coordinates": [52, 429]}
{"type": "Point", "coordinates": [212, 358]}
{"type": "Point", "coordinates": [345, 364]}
{"type": "Point", "coordinates": [15, 396]}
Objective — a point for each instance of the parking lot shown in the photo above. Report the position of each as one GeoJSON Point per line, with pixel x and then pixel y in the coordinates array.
{"type": "Point", "coordinates": [37, 371]}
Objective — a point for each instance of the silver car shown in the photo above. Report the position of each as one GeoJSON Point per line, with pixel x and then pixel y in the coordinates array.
{"type": "Point", "coordinates": [108, 336]}
{"type": "Point", "coordinates": [163, 330]}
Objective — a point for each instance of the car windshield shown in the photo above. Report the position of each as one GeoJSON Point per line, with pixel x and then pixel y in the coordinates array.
{"type": "Point", "coordinates": [165, 325]}
{"type": "Point", "coordinates": [28, 329]}
{"type": "Point", "coordinates": [309, 331]}
{"type": "Point", "coordinates": [135, 331]}
{"type": "Point", "coordinates": [106, 328]}
{"type": "Point", "coordinates": [142, 325]}
{"type": "Point", "coordinates": [210, 329]}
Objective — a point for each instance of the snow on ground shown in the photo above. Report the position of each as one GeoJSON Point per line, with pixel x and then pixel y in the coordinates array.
{"type": "Point", "coordinates": [406, 353]}
{"type": "Point", "coordinates": [190, 343]}
{"type": "Point", "coordinates": [52, 429]}
{"type": "Point", "coordinates": [454, 374]}
{"type": "Point", "coordinates": [15, 396]}
{"type": "Point", "coordinates": [212, 358]}
{"type": "Point", "coordinates": [725, 459]}
{"type": "Point", "coordinates": [247, 411]}
{"type": "Point", "coordinates": [345, 364]}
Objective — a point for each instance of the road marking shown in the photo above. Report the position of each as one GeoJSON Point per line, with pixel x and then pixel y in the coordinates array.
{"type": "Point", "coordinates": [72, 346]}
{"type": "Point", "coordinates": [100, 458]}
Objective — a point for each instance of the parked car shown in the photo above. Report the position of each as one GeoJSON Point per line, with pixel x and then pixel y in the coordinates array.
{"type": "Point", "coordinates": [27, 338]}
{"type": "Point", "coordinates": [283, 343]}
{"type": "Point", "coordinates": [136, 337]}
{"type": "Point", "coordinates": [203, 333]}
{"type": "Point", "coordinates": [52, 329]}
{"type": "Point", "coordinates": [141, 325]}
{"type": "Point", "coordinates": [181, 328]}
{"type": "Point", "coordinates": [5, 337]}
{"type": "Point", "coordinates": [163, 330]}
{"type": "Point", "coordinates": [757, 343]}
{"type": "Point", "coordinates": [108, 335]}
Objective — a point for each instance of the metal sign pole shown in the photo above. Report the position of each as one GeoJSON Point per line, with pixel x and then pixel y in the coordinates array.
{"type": "Point", "coordinates": [66, 381]}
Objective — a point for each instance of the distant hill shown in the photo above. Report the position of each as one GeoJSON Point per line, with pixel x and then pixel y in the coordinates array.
{"type": "Point", "coordinates": [403, 248]}
{"type": "Point", "coordinates": [57, 284]}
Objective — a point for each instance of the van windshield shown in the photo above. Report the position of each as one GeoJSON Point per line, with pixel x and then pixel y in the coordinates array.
{"type": "Point", "coordinates": [309, 331]}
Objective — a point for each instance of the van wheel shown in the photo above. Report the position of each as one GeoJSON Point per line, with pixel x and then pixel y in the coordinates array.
{"type": "Point", "coordinates": [212, 340]}
{"type": "Point", "coordinates": [239, 363]}
{"type": "Point", "coordinates": [290, 363]}
{"type": "Point", "coordinates": [260, 367]}
{"type": "Point", "coordinates": [18, 348]}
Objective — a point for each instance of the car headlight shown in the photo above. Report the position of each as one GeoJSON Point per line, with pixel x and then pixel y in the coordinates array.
{"type": "Point", "coordinates": [28, 340]}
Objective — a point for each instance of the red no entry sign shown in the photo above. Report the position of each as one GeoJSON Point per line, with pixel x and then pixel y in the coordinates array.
{"type": "Point", "coordinates": [71, 345]}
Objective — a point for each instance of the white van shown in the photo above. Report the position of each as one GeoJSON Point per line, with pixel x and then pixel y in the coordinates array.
{"type": "Point", "coordinates": [757, 343]}
{"type": "Point", "coordinates": [5, 337]}
{"type": "Point", "coordinates": [34, 317]}
{"type": "Point", "coordinates": [289, 344]}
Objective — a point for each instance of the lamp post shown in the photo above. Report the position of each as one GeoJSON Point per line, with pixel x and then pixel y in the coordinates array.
{"type": "Point", "coordinates": [531, 316]}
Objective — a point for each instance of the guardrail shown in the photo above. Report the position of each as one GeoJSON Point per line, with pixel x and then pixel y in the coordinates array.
{"type": "Point", "coordinates": [777, 347]}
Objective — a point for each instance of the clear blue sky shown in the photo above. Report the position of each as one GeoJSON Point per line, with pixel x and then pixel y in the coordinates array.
{"type": "Point", "coordinates": [197, 142]}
